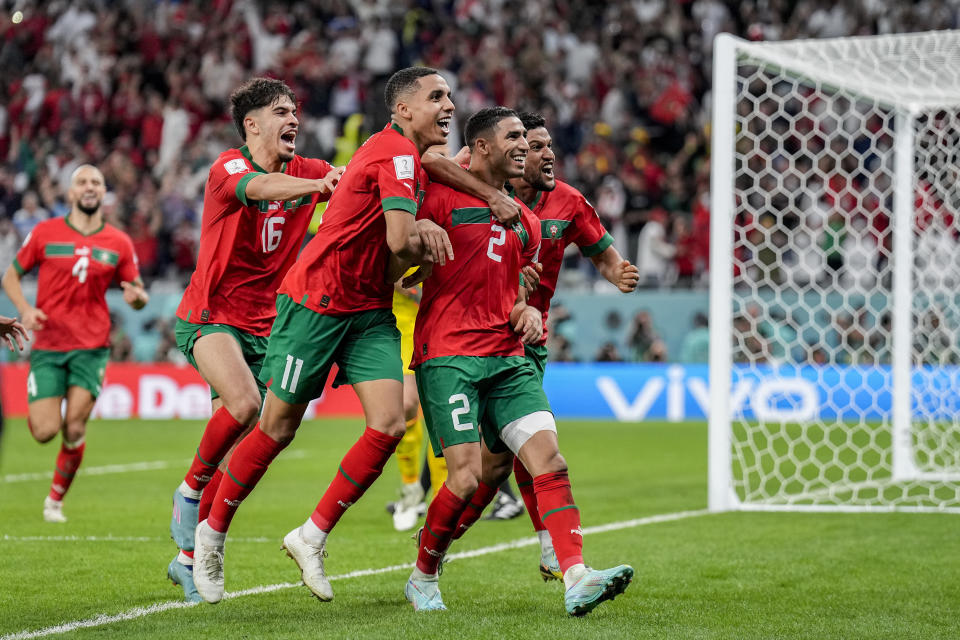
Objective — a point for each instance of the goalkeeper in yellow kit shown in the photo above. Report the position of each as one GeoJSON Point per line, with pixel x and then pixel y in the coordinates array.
{"type": "Point", "coordinates": [411, 505]}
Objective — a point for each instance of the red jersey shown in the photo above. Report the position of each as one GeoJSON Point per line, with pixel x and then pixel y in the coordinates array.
{"type": "Point", "coordinates": [565, 218]}
{"type": "Point", "coordinates": [343, 269]}
{"type": "Point", "coordinates": [246, 246]}
{"type": "Point", "coordinates": [75, 271]}
{"type": "Point", "coordinates": [466, 304]}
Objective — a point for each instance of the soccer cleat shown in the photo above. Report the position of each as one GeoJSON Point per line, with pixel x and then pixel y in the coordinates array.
{"type": "Point", "coordinates": [53, 510]}
{"type": "Point", "coordinates": [183, 522]}
{"type": "Point", "coordinates": [424, 595]}
{"type": "Point", "coordinates": [182, 576]}
{"type": "Point", "coordinates": [208, 565]}
{"type": "Point", "coordinates": [409, 508]}
{"type": "Point", "coordinates": [505, 508]}
{"type": "Point", "coordinates": [549, 567]}
{"type": "Point", "coordinates": [310, 560]}
{"type": "Point", "coordinates": [594, 587]}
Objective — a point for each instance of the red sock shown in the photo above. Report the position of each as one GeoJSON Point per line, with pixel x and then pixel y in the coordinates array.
{"type": "Point", "coordinates": [209, 493]}
{"type": "Point", "coordinates": [362, 465]}
{"type": "Point", "coordinates": [247, 465]}
{"type": "Point", "coordinates": [525, 484]}
{"type": "Point", "coordinates": [442, 516]}
{"type": "Point", "coordinates": [561, 517]}
{"type": "Point", "coordinates": [219, 435]}
{"type": "Point", "coordinates": [68, 461]}
{"type": "Point", "coordinates": [474, 509]}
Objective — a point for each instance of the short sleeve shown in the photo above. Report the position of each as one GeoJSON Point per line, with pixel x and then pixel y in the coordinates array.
{"type": "Point", "coordinates": [589, 233]}
{"type": "Point", "coordinates": [397, 180]}
{"type": "Point", "coordinates": [29, 253]}
{"type": "Point", "coordinates": [531, 249]}
{"type": "Point", "coordinates": [228, 179]}
{"type": "Point", "coordinates": [128, 267]}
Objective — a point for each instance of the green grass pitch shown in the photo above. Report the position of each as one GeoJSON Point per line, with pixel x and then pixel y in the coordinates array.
{"type": "Point", "coordinates": [731, 575]}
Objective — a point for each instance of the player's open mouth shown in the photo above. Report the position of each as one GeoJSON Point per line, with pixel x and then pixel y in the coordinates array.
{"type": "Point", "coordinates": [547, 170]}
{"type": "Point", "coordinates": [289, 138]}
{"type": "Point", "coordinates": [519, 159]}
{"type": "Point", "coordinates": [444, 124]}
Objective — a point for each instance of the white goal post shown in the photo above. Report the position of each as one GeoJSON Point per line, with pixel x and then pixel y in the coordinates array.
{"type": "Point", "coordinates": [835, 274]}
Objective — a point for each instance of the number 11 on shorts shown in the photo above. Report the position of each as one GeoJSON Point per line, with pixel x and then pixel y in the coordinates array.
{"type": "Point", "coordinates": [296, 364]}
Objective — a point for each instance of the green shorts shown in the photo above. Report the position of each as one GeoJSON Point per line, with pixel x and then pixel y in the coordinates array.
{"type": "Point", "coordinates": [254, 348]}
{"type": "Point", "coordinates": [460, 392]}
{"type": "Point", "coordinates": [537, 355]}
{"type": "Point", "coordinates": [53, 372]}
{"type": "Point", "coordinates": [304, 345]}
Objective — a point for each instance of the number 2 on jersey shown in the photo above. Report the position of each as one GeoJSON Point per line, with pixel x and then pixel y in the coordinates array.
{"type": "Point", "coordinates": [271, 233]}
{"type": "Point", "coordinates": [496, 241]}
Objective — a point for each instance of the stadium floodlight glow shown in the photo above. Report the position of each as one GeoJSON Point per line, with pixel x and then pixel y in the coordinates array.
{"type": "Point", "coordinates": [835, 264]}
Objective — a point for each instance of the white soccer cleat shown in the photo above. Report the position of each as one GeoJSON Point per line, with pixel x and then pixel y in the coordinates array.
{"type": "Point", "coordinates": [53, 510]}
{"type": "Point", "coordinates": [208, 564]}
{"type": "Point", "coordinates": [409, 508]}
{"type": "Point", "coordinates": [310, 560]}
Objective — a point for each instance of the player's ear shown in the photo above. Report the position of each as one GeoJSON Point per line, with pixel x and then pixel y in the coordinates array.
{"type": "Point", "coordinates": [251, 125]}
{"type": "Point", "coordinates": [402, 109]}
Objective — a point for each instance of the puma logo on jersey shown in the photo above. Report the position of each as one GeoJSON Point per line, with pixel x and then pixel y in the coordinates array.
{"type": "Point", "coordinates": [433, 552]}
{"type": "Point", "coordinates": [233, 503]}
{"type": "Point", "coordinates": [82, 251]}
{"type": "Point", "coordinates": [577, 531]}
{"type": "Point", "coordinates": [345, 505]}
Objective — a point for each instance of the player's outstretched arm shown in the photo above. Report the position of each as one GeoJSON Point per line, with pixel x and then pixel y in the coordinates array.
{"type": "Point", "coordinates": [33, 318]}
{"type": "Point", "coordinates": [280, 186]}
{"type": "Point", "coordinates": [134, 294]}
{"type": "Point", "coordinates": [619, 272]}
{"type": "Point", "coordinates": [445, 171]}
{"type": "Point", "coordinates": [13, 333]}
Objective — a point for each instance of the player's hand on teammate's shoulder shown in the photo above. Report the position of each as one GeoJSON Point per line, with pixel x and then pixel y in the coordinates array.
{"type": "Point", "coordinates": [33, 319]}
{"type": "Point", "coordinates": [463, 156]}
{"type": "Point", "coordinates": [530, 325]}
{"type": "Point", "coordinates": [531, 276]}
{"type": "Point", "coordinates": [435, 241]}
{"type": "Point", "coordinates": [504, 208]}
{"type": "Point", "coordinates": [628, 276]}
{"type": "Point", "coordinates": [134, 295]}
{"type": "Point", "coordinates": [13, 333]}
{"type": "Point", "coordinates": [329, 182]}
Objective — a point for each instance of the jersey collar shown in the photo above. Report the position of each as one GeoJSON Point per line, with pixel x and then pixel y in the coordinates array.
{"type": "Point", "coordinates": [66, 219]}
{"type": "Point", "coordinates": [245, 152]}
{"type": "Point", "coordinates": [396, 128]}
{"type": "Point", "coordinates": [513, 194]}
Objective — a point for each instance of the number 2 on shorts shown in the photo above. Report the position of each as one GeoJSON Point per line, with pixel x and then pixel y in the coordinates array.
{"type": "Point", "coordinates": [460, 398]}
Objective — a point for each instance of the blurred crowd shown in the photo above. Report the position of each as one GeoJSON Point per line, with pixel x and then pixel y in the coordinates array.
{"type": "Point", "coordinates": [141, 90]}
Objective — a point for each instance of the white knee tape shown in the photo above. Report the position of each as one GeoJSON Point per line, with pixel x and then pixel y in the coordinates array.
{"type": "Point", "coordinates": [516, 434]}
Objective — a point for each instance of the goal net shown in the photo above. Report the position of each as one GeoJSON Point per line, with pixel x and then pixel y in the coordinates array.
{"type": "Point", "coordinates": [835, 274]}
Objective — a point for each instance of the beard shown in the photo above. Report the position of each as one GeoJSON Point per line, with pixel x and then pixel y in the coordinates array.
{"type": "Point", "coordinates": [88, 210]}
{"type": "Point", "coordinates": [540, 183]}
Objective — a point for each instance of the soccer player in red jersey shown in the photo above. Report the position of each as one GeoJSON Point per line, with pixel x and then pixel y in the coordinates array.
{"type": "Point", "coordinates": [335, 307]}
{"type": "Point", "coordinates": [478, 390]}
{"type": "Point", "coordinates": [77, 257]}
{"type": "Point", "coordinates": [257, 205]}
{"type": "Point", "coordinates": [566, 217]}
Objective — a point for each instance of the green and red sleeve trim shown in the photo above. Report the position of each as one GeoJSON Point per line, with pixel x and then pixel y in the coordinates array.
{"type": "Point", "coordinates": [403, 204]}
{"type": "Point", "coordinates": [598, 247]}
{"type": "Point", "coordinates": [241, 189]}
{"type": "Point", "coordinates": [16, 265]}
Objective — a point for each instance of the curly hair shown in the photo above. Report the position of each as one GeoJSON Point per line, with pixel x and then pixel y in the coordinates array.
{"type": "Point", "coordinates": [255, 94]}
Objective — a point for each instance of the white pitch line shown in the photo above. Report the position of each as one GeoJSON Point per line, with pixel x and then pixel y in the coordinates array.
{"type": "Point", "coordinates": [141, 612]}
{"type": "Point", "coordinates": [112, 538]}
{"type": "Point", "coordinates": [154, 465]}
